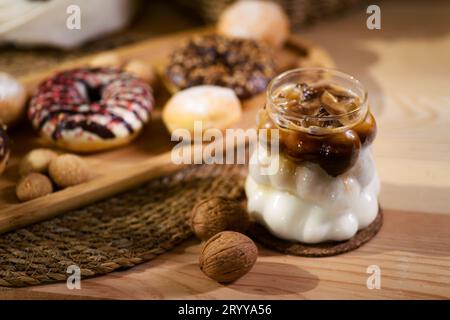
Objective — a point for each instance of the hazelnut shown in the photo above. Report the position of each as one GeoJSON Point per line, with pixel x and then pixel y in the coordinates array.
{"type": "Point", "coordinates": [36, 160]}
{"type": "Point", "coordinates": [68, 170]}
{"type": "Point", "coordinates": [33, 186]}
{"type": "Point", "coordinates": [107, 59]}
{"type": "Point", "coordinates": [227, 256]}
{"type": "Point", "coordinates": [141, 70]}
{"type": "Point", "coordinates": [216, 214]}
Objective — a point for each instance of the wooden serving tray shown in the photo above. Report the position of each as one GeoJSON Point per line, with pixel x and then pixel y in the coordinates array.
{"type": "Point", "coordinates": [147, 157]}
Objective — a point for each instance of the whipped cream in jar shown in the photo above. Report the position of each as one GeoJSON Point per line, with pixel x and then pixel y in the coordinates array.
{"type": "Point", "coordinates": [326, 186]}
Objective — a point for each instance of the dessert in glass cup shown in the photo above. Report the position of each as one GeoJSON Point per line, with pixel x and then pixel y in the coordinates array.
{"type": "Point", "coordinates": [326, 186]}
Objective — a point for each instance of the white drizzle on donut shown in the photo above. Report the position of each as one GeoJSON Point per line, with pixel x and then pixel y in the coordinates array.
{"type": "Point", "coordinates": [97, 103]}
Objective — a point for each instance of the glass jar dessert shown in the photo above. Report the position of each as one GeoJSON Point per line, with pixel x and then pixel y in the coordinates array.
{"type": "Point", "coordinates": [326, 185]}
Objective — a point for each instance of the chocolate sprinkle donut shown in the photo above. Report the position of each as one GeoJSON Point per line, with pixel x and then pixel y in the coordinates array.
{"type": "Point", "coordinates": [243, 65]}
{"type": "Point", "coordinates": [86, 106]}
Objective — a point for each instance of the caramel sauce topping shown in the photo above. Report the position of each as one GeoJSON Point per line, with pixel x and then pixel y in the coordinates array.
{"type": "Point", "coordinates": [328, 107]}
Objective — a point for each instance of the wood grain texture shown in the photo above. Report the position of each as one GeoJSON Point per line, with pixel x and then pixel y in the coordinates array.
{"type": "Point", "coordinates": [121, 169]}
{"type": "Point", "coordinates": [412, 251]}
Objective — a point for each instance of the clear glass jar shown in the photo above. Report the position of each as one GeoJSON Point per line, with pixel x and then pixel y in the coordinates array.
{"type": "Point", "coordinates": [305, 137]}
{"type": "Point", "coordinates": [326, 187]}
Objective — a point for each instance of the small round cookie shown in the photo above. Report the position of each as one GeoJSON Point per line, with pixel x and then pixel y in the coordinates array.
{"type": "Point", "coordinates": [12, 99]}
{"type": "Point", "coordinates": [242, 65]}
{"type": "Point", "coordinates": [36, 160]}
{"type": "Point", "coordinates": [68, 170]}
{"type": "Point", "coordinates": [91, 109]}
{"type": "Point", "coordinates": [33, 186]}
{"type": "Point", "coordinates": [4, 149]}
{"type": "Point", "coordinates": [213, 106]}
{"type": "Point", "coordinates": [259, 20]}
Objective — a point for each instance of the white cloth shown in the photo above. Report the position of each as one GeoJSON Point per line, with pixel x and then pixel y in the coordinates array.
{"type": "Point", "coordinates": [44, 22]}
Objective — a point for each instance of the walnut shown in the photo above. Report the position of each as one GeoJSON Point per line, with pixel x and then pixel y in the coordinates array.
{"type": "Point", "coordinates": [227, 256]}
{"type": "Point", "coordinates": [33, 186]}
{"type": "Point", "coordinates": [68, 170]}
{"type": "Point", "coordinates": [216, 214]}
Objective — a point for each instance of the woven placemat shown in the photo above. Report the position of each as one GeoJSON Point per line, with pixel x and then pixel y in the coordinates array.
{"type": "Point", "coordinates": [116, 233]}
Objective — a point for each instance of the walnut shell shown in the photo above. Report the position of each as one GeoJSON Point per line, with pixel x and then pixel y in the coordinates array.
{"type": "Point", "coordinates": [215, 214]}
{"type": "Point", "coordinates": [227, 256]}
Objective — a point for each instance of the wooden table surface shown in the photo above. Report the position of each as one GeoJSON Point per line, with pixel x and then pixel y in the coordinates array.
{"type": "Point", "coordinates": [406, 67]}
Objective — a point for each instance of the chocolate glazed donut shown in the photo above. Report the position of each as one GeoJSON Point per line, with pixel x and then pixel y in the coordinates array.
{"type": "Point", "coordinates": [91, 109]}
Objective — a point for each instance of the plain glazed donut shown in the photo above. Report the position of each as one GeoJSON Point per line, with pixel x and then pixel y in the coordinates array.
{"type": "Point", "coordinates": [215, 107]}
{"type": "Point", "coordinates": [12, 100]}
{"type": "Point", "coordinates": [91, 109]}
